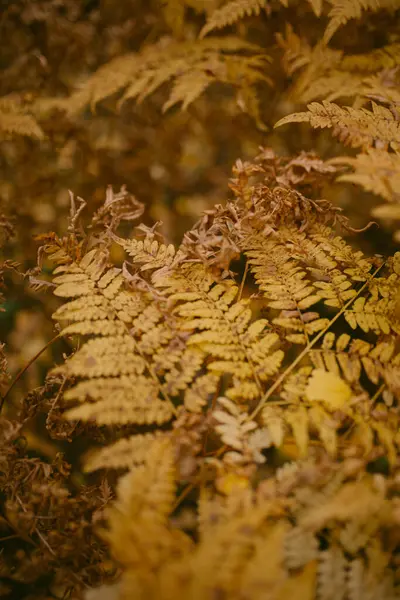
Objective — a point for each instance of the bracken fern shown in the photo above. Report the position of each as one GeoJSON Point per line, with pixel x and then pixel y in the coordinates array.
{"type": "Point", "coordinates": [215, 379]}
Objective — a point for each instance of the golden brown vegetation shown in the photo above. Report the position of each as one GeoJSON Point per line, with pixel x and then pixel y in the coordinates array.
{"type": "Point", "coordinates": [225, 384]}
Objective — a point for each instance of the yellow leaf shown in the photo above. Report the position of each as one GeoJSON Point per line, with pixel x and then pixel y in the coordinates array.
{"type": "Point", "coordinates": [329, 388]}
{"type": "Point", "coordinates": [230, 482]}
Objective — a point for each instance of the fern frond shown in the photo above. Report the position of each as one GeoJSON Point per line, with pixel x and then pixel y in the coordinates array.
{"type": "Point", "coordinates": [328, 74]}
{"type": "Point", "coordinates": [226, 59]}
{"type": "Point", "coordinates": [337, 83]}
{"type": "Point", "coordinates": [231, 12]}
{"type": "Point", "coordinates": [348, 357]}
{"type": "Point", "coordinates": [355, 127]}
{"type": "Point", "coordinates": [224, 331]}
{"type": "Point", "coordinates": [15, 119]}
{"type": "Point", "coordinates": [115, 369]}
{"type": "Point", "coordinates": [126, 453]}
{"type": "Point", "coordinates": [177, 345]}
{"type": "Point", "coordinates": [146, 496]}
{"type": "Point", "coordinates": [290, 282]}
{"type": "Point", "coordinates": [375, 170]}
{"type": "Point", "coordinates": [239, 433]}
{"type": "Point", "coordinates": [202, 389]}
{"type": "Point", "coordinates": [368, 316]}
{"type": "Point", "coordinates": [148, 253]}
{"type": "Point", "coordinates": [345, 10]}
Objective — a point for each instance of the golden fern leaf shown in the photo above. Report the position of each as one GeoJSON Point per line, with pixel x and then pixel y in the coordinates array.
{"type": "Point", "coordinates": [377, 171]}
{"type": "Point", "coordinates": [230, 560]}
{"type": "Point", "coordinates": [376, 312]}
{"type": "Point", "coordinates": [257, 580]}
{"type": "Point", "coordinates": [343, 11]}
{"type": "Point", "coordinates": [231, 12]}
{"type": "Point", "coordinates": [112, 365]}
{"type": "Point", "coordinates": [225, 330]}
{"type": "Point", "coordinates": [282, 523]}
{"type": "Point", "coordinates": [16, 120]}
{"type": "Point", "coordinates": [196, 395]}
{"type": "Point", "coordinates": [382, 87]}
{"type": "Point", "coordinates": [139, 518]}
{"type": "Point", "coordinates": [289, 276]}
{"type": "Point", "coordinates": [355, 127]}
{"type": "Point", "coordinates": [149, 253]}
{"type": "Point", "coordinates": [188, 87]}
{"type": "Point", "coordinates": [285, 285]}
{"type": "Point", "coordinates": [127, 453]}
{"type": "Point", "coordinates": [354, 499]}
{"type": "Point", "coordinates": [226, 59]}
{"type": "Point", "coordinates": [340, 359]}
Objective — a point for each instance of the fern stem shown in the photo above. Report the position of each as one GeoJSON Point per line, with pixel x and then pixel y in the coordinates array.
{"type": "Point", "coordinates": [182, 496]}
{"type": "Point", "coordinates": [246, 270]}
{"type": "Point", "coordinates": [377, 394]}
{"type": "Point", "coordinates": [25, 368]}
{"type": "Point", "coordinates": [302, 354]}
